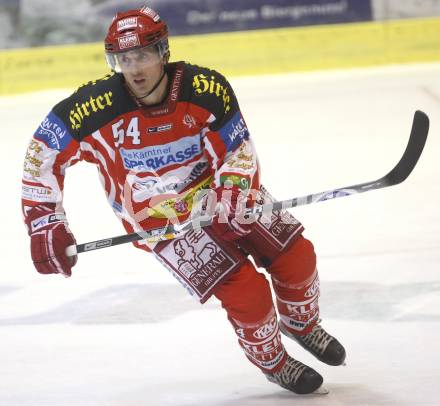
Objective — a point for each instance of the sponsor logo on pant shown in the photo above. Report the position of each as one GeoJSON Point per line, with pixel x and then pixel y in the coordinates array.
{"type": "Point", "coordinates": [197, 259]}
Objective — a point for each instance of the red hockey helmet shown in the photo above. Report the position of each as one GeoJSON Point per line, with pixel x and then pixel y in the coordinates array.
{"type": "Point", "coordinates": [136, 29]}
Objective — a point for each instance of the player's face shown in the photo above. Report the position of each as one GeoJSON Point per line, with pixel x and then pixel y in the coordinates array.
{"type": "Point", "coordinates": [141, 68]}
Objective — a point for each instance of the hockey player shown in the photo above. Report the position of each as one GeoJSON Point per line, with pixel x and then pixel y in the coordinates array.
{"type": "Point", "coordinates": [159, 133]}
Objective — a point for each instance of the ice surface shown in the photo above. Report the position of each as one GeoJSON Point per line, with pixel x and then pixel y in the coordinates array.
{"type": "Point", "coordinates": [122, 332]}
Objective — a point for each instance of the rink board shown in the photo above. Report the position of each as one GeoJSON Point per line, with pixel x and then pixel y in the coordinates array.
{"type": "Point", "coordinates": [239, 53]}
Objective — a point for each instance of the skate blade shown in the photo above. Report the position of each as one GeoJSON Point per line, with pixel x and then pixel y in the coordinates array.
{"type": "Point", "coordinates": [322, 390]}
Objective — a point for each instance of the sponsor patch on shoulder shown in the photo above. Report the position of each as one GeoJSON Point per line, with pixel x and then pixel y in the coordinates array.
{"type": "Point", "coordinates": [234, 132]}
{"type": "Point", "coordinates": [53, 132]}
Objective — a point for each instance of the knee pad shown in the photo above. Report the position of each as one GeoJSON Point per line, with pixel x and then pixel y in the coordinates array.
{"type": "Point", "coordinates": [296, 266]}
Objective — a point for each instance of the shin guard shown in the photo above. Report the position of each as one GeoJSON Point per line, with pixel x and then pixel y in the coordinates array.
{"type": "Point", "coordinates": [261, 343]}
{"type": "Point", "coordinates": [299, 308]}
{"type": "Point", "coordinates": [247, 299]}
{"type": "Point", "coordinates": [296, 284]}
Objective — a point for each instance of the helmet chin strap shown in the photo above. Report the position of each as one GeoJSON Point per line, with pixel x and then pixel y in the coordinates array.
{"type": "Point", "coordinates": [155, 86]}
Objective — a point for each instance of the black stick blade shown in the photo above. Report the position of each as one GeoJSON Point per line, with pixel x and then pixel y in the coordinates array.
{"type": "Point", "coordinates": [416, 143]}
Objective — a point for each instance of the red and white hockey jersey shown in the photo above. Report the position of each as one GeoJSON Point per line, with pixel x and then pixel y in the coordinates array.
{"type": "Point", "coordinates": [151, 160]}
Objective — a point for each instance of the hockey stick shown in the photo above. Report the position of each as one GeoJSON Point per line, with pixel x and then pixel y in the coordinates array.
{"type": "Point", "coordinates": [417, 140]}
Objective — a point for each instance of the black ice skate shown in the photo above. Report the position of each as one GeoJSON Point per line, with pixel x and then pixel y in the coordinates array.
{"type": "Point", "coordinates": [321, 344]}
{"type": "Point", "coordinates": [296, 377]}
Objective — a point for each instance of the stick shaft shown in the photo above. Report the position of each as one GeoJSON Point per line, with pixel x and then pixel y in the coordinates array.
{"type": "Point", "coordinates": [416, 143]}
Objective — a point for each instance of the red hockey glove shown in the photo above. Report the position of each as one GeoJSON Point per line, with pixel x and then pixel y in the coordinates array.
{"type": "Point", "coordinates": [229, 222]}
{"type": "Point", "coordinates": [50, 236]}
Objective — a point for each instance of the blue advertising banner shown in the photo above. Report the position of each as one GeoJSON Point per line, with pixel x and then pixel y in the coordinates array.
{"type": "Point", "coordinates": [31, 23]}
{"type": "Point", "coordinates": [192, 16]}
